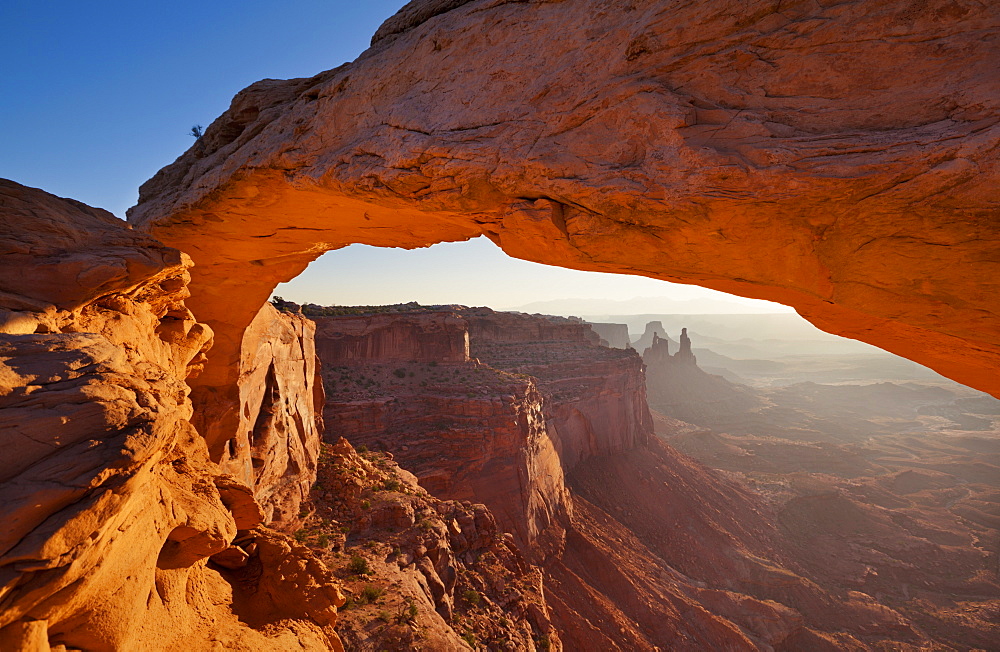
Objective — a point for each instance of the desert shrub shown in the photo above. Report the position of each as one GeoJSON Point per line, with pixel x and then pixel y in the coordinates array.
{"type": "Point", "coordinates": [399, 373]}
{"type": "Point", "coordinates": [472, 597]}
{"type": "Point", "coordinates": [408, 613]}
{"type": "Point", "coordinates": [371, 593]}
{"type": "Point", "coordinates": [392, 484]}
{"type": "Point", "coordinates": [358, 565]}
{"type": "Point", "coordinates": [469, 638]}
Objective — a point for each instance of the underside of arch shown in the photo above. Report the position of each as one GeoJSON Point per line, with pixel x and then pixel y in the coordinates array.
{"type": "Point", "coordinates": [840, 158]}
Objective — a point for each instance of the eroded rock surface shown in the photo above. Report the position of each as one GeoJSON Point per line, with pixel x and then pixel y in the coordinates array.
{"type": "Point", "coordinates": [595, 396]}
{"type": "Point", "coordinates": [836, 157]}
{"type": "Point", "coordinates": [275, 446]}
{"type": "Point", "coordinates": [467, 430]}
{"type": "Point", "coordinates": [421, 573]}
{"type": "Point", "coordinates": [111, 507]}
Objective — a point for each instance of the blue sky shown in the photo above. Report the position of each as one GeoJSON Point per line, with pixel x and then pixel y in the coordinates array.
{"type": "Point", "coordinates": [99, 96]}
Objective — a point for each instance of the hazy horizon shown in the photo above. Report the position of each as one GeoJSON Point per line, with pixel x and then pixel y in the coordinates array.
{"type": "Point", "coordinates": [478, 273]}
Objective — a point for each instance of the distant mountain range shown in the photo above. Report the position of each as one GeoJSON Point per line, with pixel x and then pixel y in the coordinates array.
{"type": "Point", "coordinates": [652, 305]}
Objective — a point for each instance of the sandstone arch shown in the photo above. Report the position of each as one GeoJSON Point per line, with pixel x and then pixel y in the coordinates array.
{"type": "Point", "coordinates": [840, 157]}
{"type": "Point", "coordinates": [837, 157]}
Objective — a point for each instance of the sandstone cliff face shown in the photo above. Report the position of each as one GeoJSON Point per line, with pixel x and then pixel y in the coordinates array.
{"type": "Point", "coordinates": [416, 337]}
{"type": "Point", "coordinates": [111, 507]}
{"type": "Point", "coordinates": [501, 434]}
{"type": "Point", "coordinates": [486, 325]}
{"type": "Point", "coordinates": [281, 396]}
{"type": "Point", "coordinates": [467, 431]}
{"type": "Point", "coordinates": [595, 396]}
{"type": "Point", "coordinates": [836, 157]}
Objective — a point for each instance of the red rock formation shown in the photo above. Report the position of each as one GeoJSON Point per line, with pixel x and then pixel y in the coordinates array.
{"type": "Point", "coordinates": [678, 388]}
{"type": "Point", "coordinates": [110, 505]}
{"type": "Point", "coordinates": [486, 325]}
{"type": "Point", "coordinates": [281, 397]}
{"type": "Point", "coordinates": [663, 552]}
{"type": "Point", "coordinates": [467, 431]}
{"type": "Point", "coordinates": [653, 329]}
{"type": "Point", "coordinates": [736, 147]}
{"type": "Point", "coordinates": [839, 158]}
{"type": "Point", "coordinates": [412, 337]}
{"type": "Point", "coordinates": [595, 396]}
{"type": "Point", "coordinates": [427, 572]}
{"type": "Point", "coordinates": [500, 448]}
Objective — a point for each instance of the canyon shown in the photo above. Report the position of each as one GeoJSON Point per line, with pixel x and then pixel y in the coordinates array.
{"type": "Point", "coordinates": [166, 483]}
{"type": "Point", "coordinates": [886, 489]}
{"type": "Point", "coordinates": [653, 549]}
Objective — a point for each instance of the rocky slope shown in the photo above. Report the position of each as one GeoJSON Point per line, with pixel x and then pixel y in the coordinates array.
{"type": "Point", "coordinates": [111, 506]}
{"type": "Point", "coordinates": [658, 551]}
{"type": "Point", "coordinates": [904, 522]}
{"type": "Point", "coordinates": [420, 572]}
{"type": "Point", "coordinates": [677, 556]}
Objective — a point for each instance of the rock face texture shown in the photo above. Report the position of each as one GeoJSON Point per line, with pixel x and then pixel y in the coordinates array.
{"type": "Point", "coordinates": [836, 157]}
{"type": "Point", "coordinates": [281, 402]}
{"type": "Point", "coordinates": [416, 337]}
{"type": "Point", "coordinates": [111, 508]}
{"type": "Point", "coordinates": [595, 396]}
{"type": "Point", "coordinates": [468, 431]}
{"type": "Point", "coordinates": [423, 573]}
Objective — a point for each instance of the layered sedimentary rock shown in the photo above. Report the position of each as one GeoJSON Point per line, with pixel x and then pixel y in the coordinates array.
{"type": "Point", "coordinates": [836, 157]}
{"type": "Point", "coordinates": [414, 337]}
{"type": "Point", "coordinates": [111, 508]}
{"type": "Point", "coordinates": [540, 397]}
{"type": "Point", "coordinates": [595, 396]}
{"type": "Point", "coordinates": [468, 431]}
